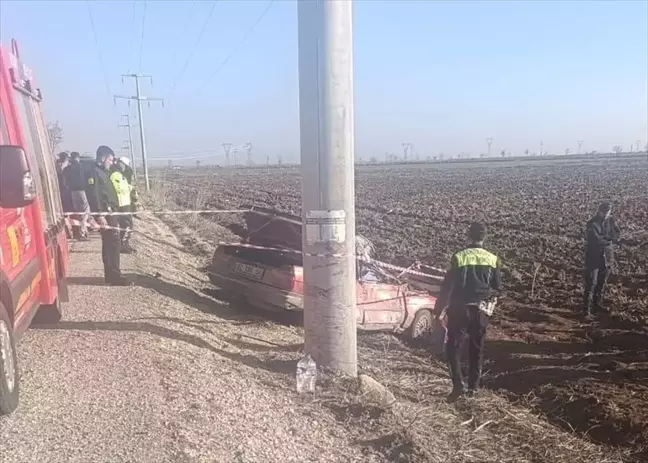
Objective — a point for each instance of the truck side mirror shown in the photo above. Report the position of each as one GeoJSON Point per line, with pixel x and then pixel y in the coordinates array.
{"type": "Point", "coordinates": [17, 185]}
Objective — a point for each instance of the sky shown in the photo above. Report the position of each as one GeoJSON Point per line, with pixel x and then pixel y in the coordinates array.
{"type": "Point", "coordinates": [442, 75]}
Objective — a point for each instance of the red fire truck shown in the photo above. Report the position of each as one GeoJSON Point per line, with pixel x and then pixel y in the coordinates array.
{"type": "Point", "coordinates": [33, 242]}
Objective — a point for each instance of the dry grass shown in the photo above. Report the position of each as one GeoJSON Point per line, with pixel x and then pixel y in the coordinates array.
{"type": "Point", "coordinates": [421, 426]}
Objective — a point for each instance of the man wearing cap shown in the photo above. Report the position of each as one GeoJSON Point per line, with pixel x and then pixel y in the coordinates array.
{"type": "Point", "coordinates": [103, 201]}
{"type": "Point", "coordinates": [467, 295]}
{"type": "Point", "coordinates": [76, 181]}
{"type": "Point", "coordinates": [124, 191]}
{"type": "Point", "coordinates": [601, 234]}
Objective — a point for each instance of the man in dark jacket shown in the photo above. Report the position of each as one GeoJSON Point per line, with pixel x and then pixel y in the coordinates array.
{"type": "Point", "coordinates": [467, 293]}
{"type": "Point", "coordinates": [601, 234]}
{"type": "Point", "coordinates": [76, 180]}
{"type": "Point", "coordinates": [103, 199]}
{"type": "Point", "coordinates": [66, 197]}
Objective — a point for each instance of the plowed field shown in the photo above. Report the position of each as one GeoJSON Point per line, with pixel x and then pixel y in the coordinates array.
{"type": "Point", "coordinates": [587, 376]}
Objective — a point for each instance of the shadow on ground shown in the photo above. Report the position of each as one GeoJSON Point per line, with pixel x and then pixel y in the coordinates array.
{"type": "Point", "coordinates": [272, 365]}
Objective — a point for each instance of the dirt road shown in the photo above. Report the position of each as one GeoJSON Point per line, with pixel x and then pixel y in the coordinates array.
{"type": "Point", "coordinates": [160, 372]}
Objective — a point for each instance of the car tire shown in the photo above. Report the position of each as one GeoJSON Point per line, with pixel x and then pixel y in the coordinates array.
{"type": "Point", "coordinates": [422, 325]}
{"type": "Point", "coordinates": [9, 379]}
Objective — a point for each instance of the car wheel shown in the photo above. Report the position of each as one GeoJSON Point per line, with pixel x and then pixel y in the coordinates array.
{"type": "Point", "coordinates": [9, 384]}
{"type": "Point", "coordinates": [422, 324]}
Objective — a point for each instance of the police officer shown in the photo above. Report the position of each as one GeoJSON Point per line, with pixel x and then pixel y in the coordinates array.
{"type": "Point", "coordinates": [467, 294]}
{"type": "Point", "coordinates": [103, 199]}
{"type": "Point", "coordinates": [601, 234]}
{"type": "Point", "coordinates": [124, 192]}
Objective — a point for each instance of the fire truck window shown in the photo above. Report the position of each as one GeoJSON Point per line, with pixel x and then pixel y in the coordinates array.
{"type": "Point", "coordinates": [34, 151]}
{"type": "Point", "coordinates": [48, 160]}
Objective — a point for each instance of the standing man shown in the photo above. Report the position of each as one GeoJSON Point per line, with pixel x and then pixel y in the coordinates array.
{"type": "Point", "coordinates": [76, 180]}
{"type": "Point", "coordinates": [601, 234]}
{"type": "Point", "coordinates": [103, 199]}
{"type": "Point", "coordinates": [66, 197]}
{"type": "Point", "coordinates": [124, 191]}
{"type": "Point", "coordinates": [467, 293]}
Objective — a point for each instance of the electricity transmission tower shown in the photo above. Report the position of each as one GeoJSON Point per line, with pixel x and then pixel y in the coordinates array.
{"type": "Point", "coordinates": [580, 144]}
{"type": "Point", "coordinates": [227, 148]}
{"type": "Point", "coordinates": [248, 148]}
{"type": "Point", "coordinates": [541, 148]}
{"type": "Point", "coordinates": [407, 149]}
{"type": "Point", "coordinates": [131, 150]}
{"type": "Point", "coordinates": [139, 98]}
{"type": "Point", "coordinates": [489, 141]}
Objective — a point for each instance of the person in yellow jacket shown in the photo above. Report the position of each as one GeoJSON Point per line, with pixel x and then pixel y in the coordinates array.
{"type": "Point", "coordinates": [123, 190]}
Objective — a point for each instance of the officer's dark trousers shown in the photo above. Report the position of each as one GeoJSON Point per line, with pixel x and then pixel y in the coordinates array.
{"type": "Point", "coordinates": [595, 279]}
{"type": "Point", "coordinates": [110, 248]}
{"type": "Point", "coordinates": [126, 224]}
{"type": "Point", "coordinates": [466, 321]}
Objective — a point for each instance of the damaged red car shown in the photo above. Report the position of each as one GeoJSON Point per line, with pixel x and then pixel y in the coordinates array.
{"type": "Point", "coordinates": [273, 279]}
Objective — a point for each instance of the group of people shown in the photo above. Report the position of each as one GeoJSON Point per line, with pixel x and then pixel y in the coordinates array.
{"type": "Point", "coordinates": [470, 288]}
{"type": "Point", "coordinates": [105, 192]}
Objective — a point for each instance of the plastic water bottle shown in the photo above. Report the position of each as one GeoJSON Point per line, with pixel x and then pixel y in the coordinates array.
{"type": "Point", "coordinates": [306, 374]}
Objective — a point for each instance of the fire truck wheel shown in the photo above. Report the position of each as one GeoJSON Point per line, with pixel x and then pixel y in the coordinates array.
{"type": "Point", "coordinates": [49, 314]}
{"type": "Point", "coordinates": [9, 385]}
{"type": "Point", "coordinates": [422, 324]}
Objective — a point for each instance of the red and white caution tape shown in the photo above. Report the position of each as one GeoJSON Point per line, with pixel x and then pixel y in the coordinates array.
{"type": "Point", "coordinates": [403, 270]}
{"type": "Point", "coordinates": [206, 211]}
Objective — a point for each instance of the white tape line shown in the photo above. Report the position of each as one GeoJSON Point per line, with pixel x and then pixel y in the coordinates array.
{"type": "Point", "coordinates": [94, 226]}
{"type": "Point", "coordinates": [207, 211]}
{"type": "Point", "coordinates": [431, 268]}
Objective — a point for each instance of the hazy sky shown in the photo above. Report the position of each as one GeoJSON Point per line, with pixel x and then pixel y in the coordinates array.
{"type": "Point", "coordinates": [442, 75]}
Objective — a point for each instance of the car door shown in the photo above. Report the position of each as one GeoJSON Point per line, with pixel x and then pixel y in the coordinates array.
{"type": "Point", "coordinates": [380, 305]}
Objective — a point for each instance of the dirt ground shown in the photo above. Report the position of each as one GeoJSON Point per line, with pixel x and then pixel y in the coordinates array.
{"type": "Point", "coordinates": [587, 378]}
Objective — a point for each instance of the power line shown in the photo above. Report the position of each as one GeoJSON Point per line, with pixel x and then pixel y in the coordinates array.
{"type": "Point", "coordinates": [132, 37]}
{"type": "Point", "coordinates": [184, 31]}
{"type": "Point", "coordinates": [193, 50]}
{"type": "Point", "coordinates": [240, 44]}
{"type": "Point", "coordinates": [142, 37]}
{"type": "Point", "coordinates": [98, 50]}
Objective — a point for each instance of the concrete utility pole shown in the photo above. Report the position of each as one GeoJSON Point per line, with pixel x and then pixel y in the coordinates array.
{"type": "Point", "coordinates": [328, 190]}
{"type": "Point", "coordinates": [227, 148]}
{"type": "Point", "coordinates": [580, 144]}
{"type": "Point", "coordinates": [139, 98]}
{"type": "Point", "coordinates": [130, 143]}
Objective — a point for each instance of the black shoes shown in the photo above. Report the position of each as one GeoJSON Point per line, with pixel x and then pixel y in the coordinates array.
{"type": "Point", "coordinates": [597, 309]}
{"type": "Point", "coordinates": [127, 249]}
{"type": "Point", "coordinates": [457, 394]}
{"type": "Point", "coordinates": [118, 281]}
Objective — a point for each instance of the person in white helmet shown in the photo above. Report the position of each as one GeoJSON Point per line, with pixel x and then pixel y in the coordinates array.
{"type": "Point", "coordinates": [123, 189]}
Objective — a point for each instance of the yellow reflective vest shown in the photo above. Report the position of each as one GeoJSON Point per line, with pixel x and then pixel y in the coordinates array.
{"type": "Point", "coordinates": [122, 188]}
